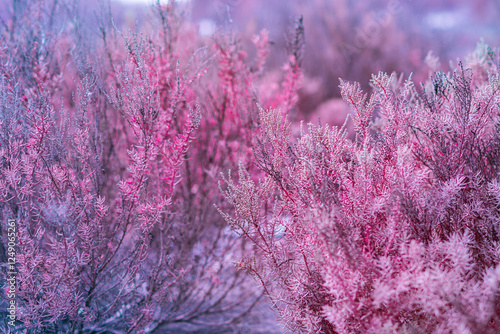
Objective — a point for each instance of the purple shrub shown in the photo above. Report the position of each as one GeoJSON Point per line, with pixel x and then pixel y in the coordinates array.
{"type": "Point", "coordinates": [111, 149]}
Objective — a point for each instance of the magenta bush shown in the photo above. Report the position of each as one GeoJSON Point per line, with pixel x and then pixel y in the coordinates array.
{"type": "Point", "coordinates": [394, 231]}
{"type": "Point", "coordinates": [111, 145]}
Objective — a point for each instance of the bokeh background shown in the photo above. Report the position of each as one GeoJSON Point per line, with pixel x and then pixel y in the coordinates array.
{"type": "Point", "coordinates": [348, 39]}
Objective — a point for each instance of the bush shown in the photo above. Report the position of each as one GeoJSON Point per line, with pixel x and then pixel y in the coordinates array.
{"type": "Point", "coordinates": [394, 231]}
{"type": "Point", "coordinates": [111, 145]}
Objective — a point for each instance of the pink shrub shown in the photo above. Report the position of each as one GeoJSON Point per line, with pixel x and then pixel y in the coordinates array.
{"type": "Point", "coordinates": [394, 231]}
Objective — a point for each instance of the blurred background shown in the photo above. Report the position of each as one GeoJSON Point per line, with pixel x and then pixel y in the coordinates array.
{"type": "Point", "coordinates": [348, 39]}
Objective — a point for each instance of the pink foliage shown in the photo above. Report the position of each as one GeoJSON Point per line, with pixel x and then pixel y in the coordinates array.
{"type": "Point", "coordinates": [119, 151]}
{"type": "Point", "coordinates": [110, 160]}
{"type": "Point", "coordinates": [394, 231]}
